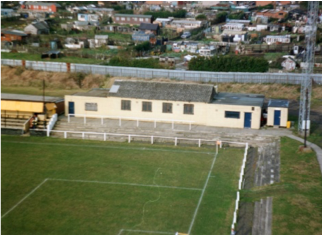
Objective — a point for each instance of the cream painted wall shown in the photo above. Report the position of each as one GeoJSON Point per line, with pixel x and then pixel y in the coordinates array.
{"type": "Point", "coordinates": [270, 116]}
{"type": "Point", "coordinates": [204, 113]}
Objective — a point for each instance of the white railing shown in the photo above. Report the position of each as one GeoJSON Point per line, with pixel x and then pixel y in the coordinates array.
{"type": "Point", "coordinates": [26, 125]}
{"type": "Point", "coordinates": [51, 123]}
{"type": "Point", "coordinates": [129, 137]}
{"type": "Point", "coordinates": [172, 121]}
{"type": "Point", "coordinates": [241, 178]}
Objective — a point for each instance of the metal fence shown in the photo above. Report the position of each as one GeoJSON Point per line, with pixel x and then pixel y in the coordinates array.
{"type": "Point", "coordinates": [213, 77]}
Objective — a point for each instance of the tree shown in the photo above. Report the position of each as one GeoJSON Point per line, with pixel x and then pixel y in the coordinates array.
{"type": "Point", "coordinates": [229, 64]}
{"type": "Point", "coordinates": [220, 17]}
{"type": "Point", "coordinates": [201, 17]}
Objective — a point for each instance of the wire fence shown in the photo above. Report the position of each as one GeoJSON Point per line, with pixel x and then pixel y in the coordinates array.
{"type": "Point", "coordinates": [182, 75]}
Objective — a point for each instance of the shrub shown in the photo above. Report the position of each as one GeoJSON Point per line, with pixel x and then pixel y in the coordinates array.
{"type": "Point", "coordinates": [229, 64]}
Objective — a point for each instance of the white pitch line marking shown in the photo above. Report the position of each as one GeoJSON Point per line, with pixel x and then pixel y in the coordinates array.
{"type": "Point", "coordinates": [129, 184]}
{"type": "Point", "coordinates": [143, 231]}
{"type": "Point", "coordinates": [12, 208]}
{"type": "Point", "coordinates": [109, 147]}
{"type": "Point", "coordinates": [202, 193]}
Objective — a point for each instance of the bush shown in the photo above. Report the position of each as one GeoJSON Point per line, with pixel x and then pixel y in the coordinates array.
{"type": "Point", "coordinates": [140, 63]}
{"type": "Point", "coordinates": [145, 46]}
{"type": "Point", "coordinates": [201, 17]}
{"type": "Point", "coordinates": [220, 17]}
{"type": "Point", "coordinates": [229, 64]}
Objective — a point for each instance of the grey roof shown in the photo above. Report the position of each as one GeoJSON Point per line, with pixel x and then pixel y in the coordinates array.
{"type": "Point", "coordinates": [35, 98]}
{"type": "Point", "coordinates": [164, 91]}
{"type": "Point", "coordinates": [41, 25]}
{"type": "Point", "coordinates": [239, 99]}
{"type": "Point", "coordinates": [42, 4]}
{"type": "Point", "coordinates": [147, 26]}
{"type": "Point", "coordinates": [96, 92]}
{"type": "Point", "coordinates": [278, 103]}
{"type": "Point", "coordinates": [131, 15]}
{"type": "Point", "coordinates": [14, 32]}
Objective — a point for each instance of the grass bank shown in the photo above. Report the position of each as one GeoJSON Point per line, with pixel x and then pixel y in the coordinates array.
{"type": "Point", "coordinates": [297, 197]}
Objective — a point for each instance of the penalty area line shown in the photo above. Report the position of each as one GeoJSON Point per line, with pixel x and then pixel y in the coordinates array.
{"type": "Point", "coordinates": [127, 184]}
{"type": "Point", "coordinates": [12, 208]}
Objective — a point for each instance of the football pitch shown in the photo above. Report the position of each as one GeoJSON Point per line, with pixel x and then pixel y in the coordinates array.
{"type": "Point", "coordinates": [59, 186]}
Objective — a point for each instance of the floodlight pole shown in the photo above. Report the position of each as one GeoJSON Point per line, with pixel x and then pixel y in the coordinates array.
{"type": "Point", "coordinates": [43, 97]}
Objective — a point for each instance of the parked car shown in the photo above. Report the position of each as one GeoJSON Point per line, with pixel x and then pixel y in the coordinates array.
{"type": "Point", "coordinates": [186, 35]}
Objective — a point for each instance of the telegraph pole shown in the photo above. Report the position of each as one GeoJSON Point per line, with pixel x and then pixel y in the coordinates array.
{"type": "Point", "coordinates": [306, 85]}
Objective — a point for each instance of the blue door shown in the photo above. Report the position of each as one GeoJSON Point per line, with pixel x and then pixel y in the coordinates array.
{"type": "Point", "coordinates": [277, 117]}
{"type": "Point", "coordinates": [71, 108]}
{"type": "Point", "coordinates": [248, 120]}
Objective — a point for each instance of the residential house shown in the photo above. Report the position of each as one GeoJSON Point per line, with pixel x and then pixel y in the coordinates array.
{"type": "Point", "coordinates": [141, 36]}
{"type": "Point", "coordinates": [181, 25]}
{"type": "Point", "coordinates": [98, 41]}
{"type": "Point", "coordinates": [132, 19]}
{"type": "Point", "coordinates": [198, 103]}
{"type": "Point", "coordinates": [258, 27]}
{"type": "Point", "coordinates": [207, 51]}
{"type": "Point", "coordinates": [234, 26]}
{"type": "Point", "coordinates": [264, 3]}
{"type": "Point", "coordinates": [87, 17]}
{"type": "Point", "coordinates": [149, 28]}
{"type": "Point", "coordinates": [234, 36]}
{"type": "Point", "coordinates": [37, 28]}
{"type": "Point", "coordinates": [278, 14]}
{"type": "Point", "coordinates": [274, 27]}
{"type": "Point", "coordinates": [207, 4]}
{"type": "Point", "coordinates": [163, 22]}
{"type": "Point", "coordinates": [102, 11]}
{"type": "Point", "coordinates": [40, 6]}
{"type": "Point", "coordinates": [13, 36]}
{"type": "Point", "coordinates": [85, 25]}
{"type": "Point", "coordinates": [277, 39]}
{"type": "Point", "coordinates": [7, 12]}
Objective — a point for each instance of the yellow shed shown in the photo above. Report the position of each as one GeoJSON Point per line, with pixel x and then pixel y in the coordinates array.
{"type": "Point", "coordinates": [277, 112]}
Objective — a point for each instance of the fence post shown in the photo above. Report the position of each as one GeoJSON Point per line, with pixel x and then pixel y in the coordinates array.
{"type": "Point", "coordinates": [151, 139]}
{"type": "Point", "coordinates": [83, 135]}
{"type": "Point", "coordinates": [175, 141]}
{"type": "Point", "coordinates": [104, 136]}
{"type": "Point", "coordinates": [129, 139]}
{"type": "Point", "coordinates": [68, 118]}
{"type": "Point", "coordinates": [199, 144]}
{"type": "Point", "coordinates": [189, 126]}
{"type": "Point", "coordinates": [65, 134]}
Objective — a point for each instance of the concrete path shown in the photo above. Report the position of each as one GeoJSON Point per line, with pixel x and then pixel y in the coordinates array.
{"type": "Point", "coordinates": [316, 148]}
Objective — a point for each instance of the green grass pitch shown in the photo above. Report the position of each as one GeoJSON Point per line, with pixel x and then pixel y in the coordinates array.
{"type": "Point", "coordinates": [58, 186]}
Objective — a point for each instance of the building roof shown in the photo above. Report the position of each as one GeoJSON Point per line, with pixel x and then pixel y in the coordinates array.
{"type": "Point", "coordinates": [96, 92]}
{"type": "Point", "coordinates": [239, 99]}
{"type": "Point", "coordinates": [131, 15]}
{"type": "Point", "coordinates": [164, 91]}
{"type": "Point", "coordinates": [147, 26]}
{"type": "Point", "coordinates": [7, 10]}
{"type": "Point", "coordinates": [42, 4]}
{"type": "Point", "coordinates": [33, 98]}
{"type": "Point", "coordinates": [278, 36]}
{"type": "Point", "coordinates": [278, 103]}
{"type": "Point", "coordinates": [14, 32]}
{"type": "Point", "coordinates": [41, 25]}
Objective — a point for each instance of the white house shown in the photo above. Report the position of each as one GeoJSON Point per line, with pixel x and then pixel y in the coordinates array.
{"type": "Point", "coordinates": [275, 39]}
